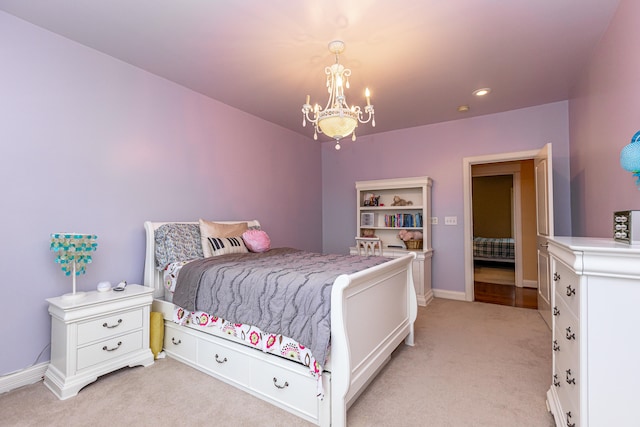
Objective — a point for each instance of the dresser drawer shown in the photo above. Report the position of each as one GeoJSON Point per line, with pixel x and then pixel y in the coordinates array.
{"type": "Point", "coordinates": [288, 387]}
{"type": "Point", "coordinates": [179, 343]}
{"type": "Point", "coordinates": [568, 376]}
{"type": "Point", "coordinates": [566, 332]}
{"type": "Point", "coordinates": [109, 349]}
{"type": "Point", "coordinates": [109, 326]}
{"type": "Point", "coordinates": [224, 361]}
{"type": "Point", "coordinates": [570, 412]}
{"type": "Point", "coordinates": [567, 286]}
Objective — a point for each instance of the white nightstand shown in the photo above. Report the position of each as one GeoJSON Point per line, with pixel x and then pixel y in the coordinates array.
{"type": "Point", "coordinates": [95, 335]}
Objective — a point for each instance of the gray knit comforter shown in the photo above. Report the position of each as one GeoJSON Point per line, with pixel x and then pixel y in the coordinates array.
{"type": "Point", "coordinates": [282, 291]}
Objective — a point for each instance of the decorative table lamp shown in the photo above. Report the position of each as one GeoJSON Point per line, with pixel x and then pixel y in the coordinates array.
{"type": "Point", "coordinates": [630, 157]}
{"type": "Point", "coordinates": [73, 254]}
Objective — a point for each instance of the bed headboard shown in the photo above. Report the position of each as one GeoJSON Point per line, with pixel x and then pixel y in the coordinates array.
{"type": "Point", "coordinates": [152, 276]}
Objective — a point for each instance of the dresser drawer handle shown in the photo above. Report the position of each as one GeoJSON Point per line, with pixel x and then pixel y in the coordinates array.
{"type": "Point", "coordinates": [173, 340]}
{"type": "Point", "coordinates": [556, 277]}
{"type": "Point", "coordinates": [106, 325]}
{"type": "Point", "coordinates": [114, 348]}
{"type": "Point", "coordinates": [275, 383]}
{"type": "Point", "coordinates": [569, 379]}
{"type": "Point", "coordinates": [220, 361]}
{"type": "Point", "coordinates": [556, 347]}
{"type": "Point", "coordinates": [555, 380]}
{"type": "Point", "coordinates": [569, 423]}
{"type": "Point", "coordinates": [570, 335]}
{"type": "Point", "coordinates": [556, 312]}
{"type": "Point", "coordinates": [570, 291]}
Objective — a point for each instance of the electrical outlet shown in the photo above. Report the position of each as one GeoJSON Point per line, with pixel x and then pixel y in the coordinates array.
{"type": "Point", "coordinates": [434, 220]}
{"type": "Point", "coordinates": [450, 220]}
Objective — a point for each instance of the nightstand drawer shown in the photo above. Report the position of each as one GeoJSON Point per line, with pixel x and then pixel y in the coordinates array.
{"type": "Point", "coordinates": [109, 349]}
{"type": "Point", "coordinates": [109, 326]}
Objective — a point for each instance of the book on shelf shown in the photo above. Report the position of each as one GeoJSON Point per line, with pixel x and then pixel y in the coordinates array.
{"type": "Point", "coordinates": [403, 220]}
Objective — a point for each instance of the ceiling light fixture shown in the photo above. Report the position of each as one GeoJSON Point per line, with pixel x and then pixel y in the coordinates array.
{"type": "Point", "coordinates": [337, 120]}
{"type": "Point", "coordinates": [482, 92]}
{"type": "Point", "coordinates": [463, 108]}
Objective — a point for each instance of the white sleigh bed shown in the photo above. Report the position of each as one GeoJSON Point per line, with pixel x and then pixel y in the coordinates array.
{"type": "Point", "coordinates": [383, 295]}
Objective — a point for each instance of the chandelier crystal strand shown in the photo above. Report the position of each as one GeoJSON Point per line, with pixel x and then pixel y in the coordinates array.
{"type": "Point", "coordinates": [337, 120]}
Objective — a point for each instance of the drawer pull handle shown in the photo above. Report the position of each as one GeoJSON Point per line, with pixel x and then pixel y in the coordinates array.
{"type": "Point", "coordinates": [173, 340]}
{"type": "Point", "coordinates": [568, 379]}
{"type": "Point", "coordinates": [555, 380]}
{"type": "Point", "coordinates": [106, 325]}
{"type": "Point", "coordinates": [105, 348]}
{"type": "Point", "coordinates": [556, 312]}
{"type": "Point", "coordinates": [275, 383]}
{"type": "Point", "coordinates": [570, 291]}
{"type": "Point", "coordinates": [556, 277]}
{"type": "Point", "coordinates": [556, 347]}
{"type": "Point", "coordinates": [569, 423]}
{"type": "Point", "coordinates": [220, 361]}
{"type": "Point", "coordinates": [570, 335]}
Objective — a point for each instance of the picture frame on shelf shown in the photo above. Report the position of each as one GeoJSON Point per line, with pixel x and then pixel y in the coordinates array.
{"type": "Point", "coordinates": [366, 219]}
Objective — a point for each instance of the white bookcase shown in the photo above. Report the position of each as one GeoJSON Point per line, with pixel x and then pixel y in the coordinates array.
{"type": "Point", "coordinates": [376, 211]}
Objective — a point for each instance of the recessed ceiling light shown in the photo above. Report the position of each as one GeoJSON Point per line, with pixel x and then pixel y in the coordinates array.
{"type": "Point", "coordinates": [463, 108]}
{"type": "Point", "coordinates": [482, 92]}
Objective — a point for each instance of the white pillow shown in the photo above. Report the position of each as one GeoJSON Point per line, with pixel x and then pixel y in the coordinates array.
{"type": "Point", "coordinates": [226, 245]}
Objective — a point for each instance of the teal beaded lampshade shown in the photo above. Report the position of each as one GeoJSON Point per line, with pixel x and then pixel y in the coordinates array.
{"type": "Point", "coordinates": [73, 253]}
{"type": "Point", "coordinates": [630, 157]}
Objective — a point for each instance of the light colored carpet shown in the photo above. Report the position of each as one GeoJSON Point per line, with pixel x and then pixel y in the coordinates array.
{"type": "Point", "coordinates": [474, 364]}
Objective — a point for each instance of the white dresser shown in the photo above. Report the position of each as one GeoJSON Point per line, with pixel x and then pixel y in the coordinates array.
{"type": "Point", "coordinates": [596, 332]}
{"type": "Point", "coordinates": [95, 335]}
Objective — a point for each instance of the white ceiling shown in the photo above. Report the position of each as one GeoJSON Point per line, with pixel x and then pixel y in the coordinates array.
{"type": "Point", "coordinates": [421, 59]}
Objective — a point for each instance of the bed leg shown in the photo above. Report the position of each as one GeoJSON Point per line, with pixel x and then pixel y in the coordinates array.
{"type": "Point", "coordinates": [338, 414]}
{"type": "Point", "coordinates": [409, 339]}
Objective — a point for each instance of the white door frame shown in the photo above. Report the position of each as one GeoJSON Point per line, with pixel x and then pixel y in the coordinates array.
{"type": "Point", "coordinates": [467, 162]}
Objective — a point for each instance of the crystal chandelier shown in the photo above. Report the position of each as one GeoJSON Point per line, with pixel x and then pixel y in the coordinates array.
{"type": "Point", "coordinates": [337, 120]}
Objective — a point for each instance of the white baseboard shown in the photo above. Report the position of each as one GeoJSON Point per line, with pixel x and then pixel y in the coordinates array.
{"type": "Point", "coordinates": [27, 376]}
{"type": "Point", "coordinates": [530, 284]}
{"type": "Point", "coordinates": [441, 293]}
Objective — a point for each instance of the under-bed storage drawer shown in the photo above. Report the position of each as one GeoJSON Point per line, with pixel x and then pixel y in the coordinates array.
{"type": "Point", "coordinates": [179, 343]}
{"type": "Point", "coordinates": [288, 387]}
{"type": "Point", "coordinates": [224, 361]}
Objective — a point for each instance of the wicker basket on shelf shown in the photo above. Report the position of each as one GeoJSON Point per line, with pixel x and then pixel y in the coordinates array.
{"type": "Point", "coordinates": [413, 244]}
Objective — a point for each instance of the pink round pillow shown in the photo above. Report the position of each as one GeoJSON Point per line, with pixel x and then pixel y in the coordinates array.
{"type": "Point", "coordinates": [256, 240]}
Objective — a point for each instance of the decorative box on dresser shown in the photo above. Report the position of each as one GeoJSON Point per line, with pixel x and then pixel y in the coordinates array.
{"type": "Point", "coordinates": [376, 216]}
{"type": "Point", "coordinates": [596, 340]}
{"type": "Point", "coordinates": [95, 335]}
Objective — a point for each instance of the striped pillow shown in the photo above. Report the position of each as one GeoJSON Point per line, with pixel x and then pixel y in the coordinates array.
{"type": "Point", "coordinates": [226, 245]}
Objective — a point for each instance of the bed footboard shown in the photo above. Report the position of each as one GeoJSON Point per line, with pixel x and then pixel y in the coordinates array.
{"type": "Point", "coordinates": [383, 296]}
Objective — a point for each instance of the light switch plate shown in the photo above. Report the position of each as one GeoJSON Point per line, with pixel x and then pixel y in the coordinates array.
{"type": "Point", "coordinates": [450, 220]}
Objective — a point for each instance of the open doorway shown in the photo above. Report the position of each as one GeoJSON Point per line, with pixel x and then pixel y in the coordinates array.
{"type": "Point", "coordinates": [504, 233]}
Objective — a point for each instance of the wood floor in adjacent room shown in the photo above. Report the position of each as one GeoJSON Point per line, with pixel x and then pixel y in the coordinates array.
{"type": "Point", "coordinates": [494, 283]}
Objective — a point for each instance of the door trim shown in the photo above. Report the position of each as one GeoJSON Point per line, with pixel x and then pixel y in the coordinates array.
{"type": "Point", "coordinates": [467, 162]}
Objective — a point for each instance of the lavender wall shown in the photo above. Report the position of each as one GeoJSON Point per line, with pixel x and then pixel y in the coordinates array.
{"type": "Point", "coordinates": [604, 115]}
{"type": "Point", "coordinates": [438, 151]}
{"type": "Point", "coordinates": [91, 144]}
